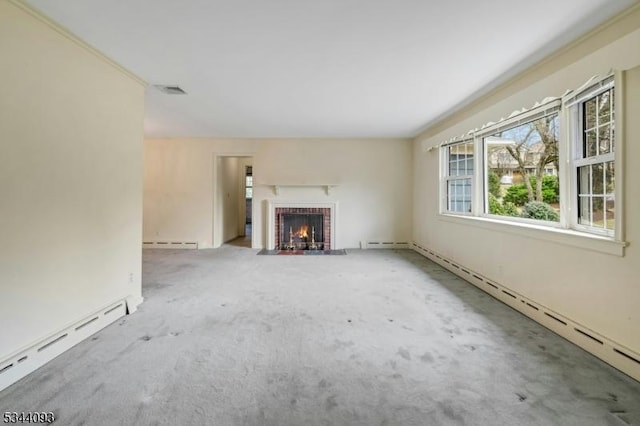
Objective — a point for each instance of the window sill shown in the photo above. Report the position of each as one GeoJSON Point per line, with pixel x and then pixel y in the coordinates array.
{"type": "Point", "coordinates": [567, 237]}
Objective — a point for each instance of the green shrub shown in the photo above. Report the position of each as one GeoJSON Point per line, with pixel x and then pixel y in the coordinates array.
{"type": "Point", "coordinates": [495, 206]}
{"type": "Point", "coordinates": [517, 194]}
{"type": "Point", "coordinates": [502, 209]}
{"type": "Point", "coordinates": [549, 196]}
{"type": "Point", "coordinates": [510, 209]}
{"type": "Point", "coordinates": [494, 184]}
{"type": "Point", "coordinates": [550, 189]}
{"type": "Point", "coordinates": [540, 210]}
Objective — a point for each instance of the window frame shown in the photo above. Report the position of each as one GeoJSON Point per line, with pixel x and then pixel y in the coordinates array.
{"type": "Point", "coordinates": [552, 106]}
{"type": "Point", "coordinates": [447, 177]}
{"type": "Point", "coordinates": [248, 186]}
{"type": "Point", "coordinates": [567, 230]}
{"type": "Point", "coordinates": [574, 107]}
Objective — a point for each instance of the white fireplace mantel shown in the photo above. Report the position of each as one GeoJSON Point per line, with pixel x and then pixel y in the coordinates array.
{"type": "Point", "coordinates": [271, 215]}
{"type": "Point", "coordinates": [276, 186]}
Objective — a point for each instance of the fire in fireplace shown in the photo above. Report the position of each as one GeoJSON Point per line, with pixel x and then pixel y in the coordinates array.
{"type": "Point", "coordinates": [301, 231]}
{"type": "Point", "coordinates": [298, 228]}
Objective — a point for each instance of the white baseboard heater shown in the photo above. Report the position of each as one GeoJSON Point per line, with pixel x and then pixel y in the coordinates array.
{"type": "Point", "coordinates": [384, 245]}
{"type": "Point", "coordinates": [620, 357]}
{"type": "Point", "coordinates": [25, 361]}
{"type": "Point", "coordinates": [170, 244]}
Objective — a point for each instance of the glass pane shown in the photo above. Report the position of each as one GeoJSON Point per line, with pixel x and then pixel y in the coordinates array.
{"type": "Point", "coordinates": [461, 159]}
{"type": "Point", "coordinates": [604, 105]}
{"type": "Point", "coordinates": [613, 136]}
{"type": "Point", "coordinates": [590, 143]}
{"type": "Point", "coordinates": [604, 139]}
{"type": "Point", "coordinates": [597, 177]}
{"type": "Point", "coordinates": [469, 166]}
{"type": "Point", "coordinates": [450, 195]}
{"type": "Point", "coordinates": [613, 104]}
{"type": "Point", "coordinates": [610, 213]}
{"type": "Point", "coordinates": [590, 114]}
{"type": "Point", "coordinates": [459, 195]}
{"type": "Point", "coordinates": [249, 181]}
{"type": "Point", "coordinates": [584, 180]}
{"type": "Point", "coordinates": [467, 195]}
{"type": "Point", "coordinates": [609, 179]}
{"type": "Point", "coordinates": [453, 168]}
{"type": "Point", "coordinates": [467, 190]}
{"type": "Point", "coordinates": [597, 212]}
{"type": "Point", "coordinates": [598, 125]}
{"type": "Point", "coordinates": [584, 210]}
{"type": "Point", "coordinates": [248, 193]}
{"type": "Point", "coordinates": [527, 152]}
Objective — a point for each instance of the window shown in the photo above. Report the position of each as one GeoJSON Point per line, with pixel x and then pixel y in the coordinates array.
{"type": "Point", "coordinates": [459, 177]}
{"type": "Point", "coordinates": [521, 165]}
{"type": "Point", "coordinates": [553, 165]}
{"type": "Point", "coordinates": [594, 162]}
{"type": "Point", "coordinates": [248, 183]}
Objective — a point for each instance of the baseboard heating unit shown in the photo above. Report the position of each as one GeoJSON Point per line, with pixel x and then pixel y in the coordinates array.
{"type": "Point", "coordinates": [170, 244]}
{"type": "Point", "coordinates": [24, 361]}
{"type": "Point", "coordinates": [384, 245]}
{"type": "Point", "coordinates": [620, 357]}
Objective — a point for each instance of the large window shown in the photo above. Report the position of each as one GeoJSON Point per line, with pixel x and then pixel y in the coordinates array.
{"type": "Point", "coordinates": [594, 161]}
{"type": "Point", "coordinates": [459, 176]}
{"type": "Point", "coordinates": [521, 168]}
{"type": "Point", "coordinates": [552, 165]}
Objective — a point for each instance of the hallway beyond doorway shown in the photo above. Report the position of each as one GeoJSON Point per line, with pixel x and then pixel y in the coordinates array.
{"type": "Point", "coordinates": [243, 240]}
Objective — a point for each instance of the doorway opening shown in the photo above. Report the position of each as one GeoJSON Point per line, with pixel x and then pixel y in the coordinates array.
{"type": "Point", "coordinates": [248, 198]}
{"type": "Point", "coordinates": [233, 199]}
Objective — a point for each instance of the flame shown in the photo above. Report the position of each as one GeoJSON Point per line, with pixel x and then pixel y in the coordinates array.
{"type": "Point", "coordinates": [302, 232]}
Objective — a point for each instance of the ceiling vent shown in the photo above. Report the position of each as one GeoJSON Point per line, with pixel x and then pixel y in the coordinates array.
{"type": "Point", "coordinates": [170, 90]}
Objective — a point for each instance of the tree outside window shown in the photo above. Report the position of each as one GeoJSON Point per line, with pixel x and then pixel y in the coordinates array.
{"type": "Point", "coordinates": [522, 170]}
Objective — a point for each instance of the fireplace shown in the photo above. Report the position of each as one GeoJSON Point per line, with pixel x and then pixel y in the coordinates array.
{"type": "Point", "coordinates": [300, 229]}
{"type": "Point", "coordinates": [301, 226]}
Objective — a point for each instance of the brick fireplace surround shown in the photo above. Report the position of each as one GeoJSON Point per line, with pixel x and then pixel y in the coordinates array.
{"type": "Point", "coordinates": [325, 212]}
{"type": "Point", "coordinates": [275, 211]}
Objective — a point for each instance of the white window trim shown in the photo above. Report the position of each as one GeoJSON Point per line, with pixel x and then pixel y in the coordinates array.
{"type": "Point", "coordinates": [620, 143]}
{"type": "Point", "coordinates": [568, 237]}
{"type": "Point", "coordinates": [445, 178]}
{"type": "Point", "coordinates": [571, 107]}
{"type": "Point", "coordinates": [548, 108]}
{"type": "Point", "coordinates": [567, 231]}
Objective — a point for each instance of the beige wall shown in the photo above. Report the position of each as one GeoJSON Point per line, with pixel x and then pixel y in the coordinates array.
{"type": "Point", "coordinates": [596, 290]}
{"type": "Point", "coordinates": [373, 192]}
{"type": "Point", "coordinates": [71, 127]}
{"type": "Point", "coordinates": [179, 188]}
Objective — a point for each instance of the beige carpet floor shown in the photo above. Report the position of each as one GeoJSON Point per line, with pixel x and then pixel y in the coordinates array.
{"type": "Point", "coordinates": [376, 337]}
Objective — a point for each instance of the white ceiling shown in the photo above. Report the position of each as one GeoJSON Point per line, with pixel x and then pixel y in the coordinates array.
{"type": "Point", "coordinates": [321, 68]}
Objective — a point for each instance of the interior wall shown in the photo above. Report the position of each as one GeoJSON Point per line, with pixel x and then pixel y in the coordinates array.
{"type": "Point", "coordinates": [373, 177]}
{"type": "Point", "coordinates": [71, 132]}
{"type": "Point", "coordinates": [179, 187]}
{"type": "Point", "coordinates": [596, 290]}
